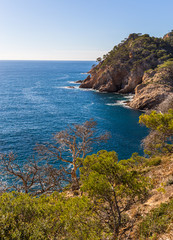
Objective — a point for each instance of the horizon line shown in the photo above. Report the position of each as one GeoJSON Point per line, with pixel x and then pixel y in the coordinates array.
{"type": "Point", "coordinates": [70, 60]}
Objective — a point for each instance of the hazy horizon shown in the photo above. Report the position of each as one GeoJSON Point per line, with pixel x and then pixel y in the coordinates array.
{"type": "Point", "coordinates": [47, 60]}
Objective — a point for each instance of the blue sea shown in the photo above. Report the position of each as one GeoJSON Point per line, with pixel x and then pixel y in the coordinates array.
{"type": "Point", "coordinates": [35, 102]}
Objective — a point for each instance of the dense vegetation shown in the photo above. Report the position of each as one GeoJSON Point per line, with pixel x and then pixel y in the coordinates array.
{"type": "Point", "coordinates": [97, 208]}
{"type": "Point", "coordinates": [137, 49]}
{"type": "Point", "coordinates": [157, 221]}
{"type": "Point", "coordinates": [47, 217]}
{"type": "Point", "coordinates": [167, 64]}
{"type": "Point", "coordinates": [111, 186]}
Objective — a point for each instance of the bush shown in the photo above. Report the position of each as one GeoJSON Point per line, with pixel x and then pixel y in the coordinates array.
{"type": "Point", "coordinates": [167, 64]}
{"type": "Point", "coordinates": [160, 138]}
{"type": "Point", "coordinates": [115, 184]}
{"type": "Point", "coordinates": [47, 217]}
{"type": "Point", "coordinates": [153, 162]}
{"type": "Point", "coordinates": [157, 221]}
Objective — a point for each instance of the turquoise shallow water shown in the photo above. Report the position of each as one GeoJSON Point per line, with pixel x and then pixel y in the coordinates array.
{"type": "Point", "coordinates": [35, 103]}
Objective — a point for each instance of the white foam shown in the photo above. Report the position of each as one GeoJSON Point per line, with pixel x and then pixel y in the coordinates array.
{"type": "Point", "coordinates": [67, 87]}
{"type": "Point", "coordinates": [73, 82]}
{"type": "Point", "coordinates": [115, 104]}
{"type": "Point", "coordinates": [84, 73]}
{"type": "Point", "coordinates": [92, 90]}
{"type": "Point", "coordinates": [130, 96]}
{"type": "Point", "coordinates": [87, 89]}
{"type": "Point", "coordinates": [118, 103]}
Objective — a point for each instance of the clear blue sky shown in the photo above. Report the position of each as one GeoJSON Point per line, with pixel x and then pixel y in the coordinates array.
{"type": "Point", "coordinates": [76, 29]}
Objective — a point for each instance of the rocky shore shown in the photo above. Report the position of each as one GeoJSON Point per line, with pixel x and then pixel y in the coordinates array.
{"type": "Point", "coordinates": [140, 64]}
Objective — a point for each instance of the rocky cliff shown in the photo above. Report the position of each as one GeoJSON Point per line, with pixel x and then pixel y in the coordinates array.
{"type": "Point", "coordinates": [123, 70]}
{"type": "Point", "coordinates": [156, 88]}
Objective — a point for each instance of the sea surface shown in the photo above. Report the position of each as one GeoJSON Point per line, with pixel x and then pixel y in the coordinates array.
{"type": "Point", "coordinates": [35, 102]}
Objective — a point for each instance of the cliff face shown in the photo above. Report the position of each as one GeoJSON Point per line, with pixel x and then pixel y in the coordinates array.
{"type": "Point", "coordinates": [123, 68]}
{"type": "Point", "coordinates": [112, 79]}
{"type": "Point", "coordinates": [149, 96]}
{"type": "Point", "coordinates": [107, 79]}
{"type": "Point", "coordinates": [156, 88]}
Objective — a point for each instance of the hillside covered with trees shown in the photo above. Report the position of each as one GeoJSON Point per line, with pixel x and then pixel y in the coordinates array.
{"type": "Point", "coordinates": [140, 64]}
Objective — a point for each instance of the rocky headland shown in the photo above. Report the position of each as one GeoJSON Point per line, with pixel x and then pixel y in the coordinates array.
{"type": "Point", "coordinates": [140, 64]}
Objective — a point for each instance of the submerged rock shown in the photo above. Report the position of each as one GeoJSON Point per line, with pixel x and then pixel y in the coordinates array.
{"type": "Point", "coordinates": [79, 81]}
{"type": "Point", "coordinates": [70, 87]}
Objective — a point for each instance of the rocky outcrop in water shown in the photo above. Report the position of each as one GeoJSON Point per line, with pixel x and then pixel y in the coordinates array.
{"type": "Point", "coordinates": [123, 70]}
{"type": "Point", "coordinates": [114, 80]}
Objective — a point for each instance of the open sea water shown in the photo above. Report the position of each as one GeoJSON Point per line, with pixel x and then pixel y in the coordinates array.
{"type": "Point", "coordinates": [35, 102]}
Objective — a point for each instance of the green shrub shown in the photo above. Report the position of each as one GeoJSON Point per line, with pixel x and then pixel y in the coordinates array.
{"type": "Point", "coordinates": [137, 49]}
{"type": "Point", "coordinates": [167, 64]}
{"type": "Point", "coordinates": [160, 138]}
{"type": "Point", "coordinates": [157, 221]}
{"type": "Point", "coordinates": [153, 162]}
{"type": "Point", "coordinates": [47, 217]}
{"type": "Point", "coordinates": [115, 183]}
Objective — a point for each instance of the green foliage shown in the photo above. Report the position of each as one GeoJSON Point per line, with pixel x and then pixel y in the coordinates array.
{"type": "Point", "coordinates": [162, 123]}
{"type": "Point", "coordinates": [115, 183]}
{"type": "Point", "coordinates": [112, 186]}
{"type": "Point", "coordinates": [154, 161]}
{"type": "Point", "coordinates": [137, 49]}
{"type": "Point", "coordinates": [167, 64]}
{"type": "Point", "coordinates": [157, 221]}
{"type": "Point", "coordinates": [135, 162]}
{"type": "Point", "coordinates": [161, 137]}
{"type": "Point", "coordinates": [104, 169]}
{"type": "Point", "coordinates": [47, 217]}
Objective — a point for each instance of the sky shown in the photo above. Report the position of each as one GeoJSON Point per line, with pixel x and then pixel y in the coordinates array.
{"type": "Point", "coordinates": [76, 29]}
